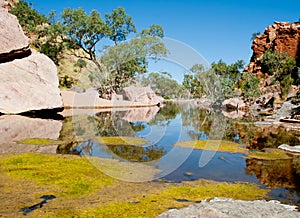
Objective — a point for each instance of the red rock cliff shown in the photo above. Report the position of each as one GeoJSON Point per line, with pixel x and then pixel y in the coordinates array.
{"type": "Point", "coordinates": [281, 37]}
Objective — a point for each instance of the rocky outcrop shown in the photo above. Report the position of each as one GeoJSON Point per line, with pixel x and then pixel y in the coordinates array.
{"type": "Point", "coordinates": [280, 37]}
{"type": "Point", "coordinates": [143, 95]}
{"type": "Point", "coordinates": [28, 79]}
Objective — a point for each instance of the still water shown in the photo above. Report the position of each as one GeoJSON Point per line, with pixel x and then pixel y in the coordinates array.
{"type": "Point", "coordinates": [161, 128]}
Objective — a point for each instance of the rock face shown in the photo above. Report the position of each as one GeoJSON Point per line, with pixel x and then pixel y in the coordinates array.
{"type": "Point", "coordinates": [143, 95]}
{"type": "Point", "coordinates": [28, 79]}
{"type": "Point", "coordinates": [280, 37]}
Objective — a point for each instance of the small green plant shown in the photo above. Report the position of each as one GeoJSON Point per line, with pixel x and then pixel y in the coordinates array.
{"type": "Point", "coordinates": [249, 85]}
{"type": "Point", "coordinates": [282, 67]}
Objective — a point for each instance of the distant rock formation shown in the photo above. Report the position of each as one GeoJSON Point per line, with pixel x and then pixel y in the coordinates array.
{"type": "Point", "coordinates": [28, 79]}
{"type": "Point", "coordinates": [280, 37]}
{"type": "Point", "coordinates": [143, 95]}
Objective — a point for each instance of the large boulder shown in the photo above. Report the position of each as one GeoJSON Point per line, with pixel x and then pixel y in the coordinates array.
{"type": "Point", "coordinates": [144, 95]}
{"type": "Point", "coordinates": [29, 84]}
{"type": "Point", "coordinates": [234, 104]}
{"type": "Point", "coordinates": [28, 79]}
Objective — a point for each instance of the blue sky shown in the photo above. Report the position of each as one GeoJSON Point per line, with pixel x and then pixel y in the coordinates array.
{"type": "Point", "coordinates": [216, 29]}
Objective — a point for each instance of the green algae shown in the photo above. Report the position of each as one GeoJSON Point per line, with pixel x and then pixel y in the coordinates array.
{"type": "Point", "coordinates": [84, 191]}
{"type": "Point", "coordinates": [72, 175]}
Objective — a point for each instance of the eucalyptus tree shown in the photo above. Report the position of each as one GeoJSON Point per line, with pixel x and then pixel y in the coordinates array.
{"type": "Point", "coordinates": [85, 32]}
{"type": "Point", "coordinates": [120, 25]}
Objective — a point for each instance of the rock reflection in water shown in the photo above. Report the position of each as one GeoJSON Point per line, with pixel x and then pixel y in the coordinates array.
{"type": "Point", "coordinates": [138, 154]}
{"type": "Point", "coordinates": [276, 173]}
{"type": "Point", "coordinates": [260, 137]}
{"type": "Point", "coordinates": [83, 131]}
{"type": "Point", "coordinates": [15, 127]}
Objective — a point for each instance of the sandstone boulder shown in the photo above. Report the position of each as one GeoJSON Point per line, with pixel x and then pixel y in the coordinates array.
{"type": "Point", "coordinates": [144, 95]}
{"type": "Point", "coordinates": [234, 104]}
{"type": "Point", "coordinates": [14, 44]}
{"type": "Point", "coordinates": [29, 84]}
{"type": "Point", "coordinates": [28, 79]}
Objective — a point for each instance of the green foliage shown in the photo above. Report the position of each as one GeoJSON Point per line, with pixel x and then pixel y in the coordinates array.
{"type": "Point", "coordinates": [254, 35]}
{"type": "Point", "coordinates": [192, 82]}
{"type": "Point", "coordinates": [120, 25]}
{"type": "Point", "coordinates": [28, 18]}
{"type": "Point", "coordinates": [249, 85]}
{"type": "Point", "coordinates": [154, 31]}
{"type": "Point", "coordinates": [164, 85]}
{"type": "Point", "coordinates": [66, 81]}
{"type": "Point", "coordinates": [231, 72]}
{"type": "Point", "coordinates": [80, 63]}
{"type": "Point", "coordinates": [84, 30]}
{"type": "Point", "coordinates": [127, 60]}
{"type": "Point", "coordinates": [282, 67]}
{"type": "Point", "coordinates": [216, 83]}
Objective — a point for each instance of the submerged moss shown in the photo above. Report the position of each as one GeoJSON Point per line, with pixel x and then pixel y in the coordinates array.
{"type": "Point", "coordinates": [213, 145]}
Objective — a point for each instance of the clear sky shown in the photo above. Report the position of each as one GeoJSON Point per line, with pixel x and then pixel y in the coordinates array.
{"type": "Point", "coordinates": [216, 29]}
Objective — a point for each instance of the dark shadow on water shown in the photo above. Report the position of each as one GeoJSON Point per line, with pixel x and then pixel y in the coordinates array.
{"type": "Point", "coordinates": [45, 114]}
{"type": "Point", "coordinates": [26, 210]}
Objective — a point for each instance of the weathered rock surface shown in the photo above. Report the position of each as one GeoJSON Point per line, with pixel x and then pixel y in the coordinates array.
{"type": "Point", "coordinates": [143, 95]}
{"type": "Point", "coordinates": [7, 3]}
{"type": "Point", "coordinates": [28, 79]}
{"type": "Point", "coordinates": [234, 208]}
{"type": "Point", "coordinates": [29, 84]}
{"type": "Point", "coordinates": [280, 37]}
{"type": "Point", "coordinates": [14, 44]}
{"type": "Point", "coordinates": [234, 104]}
{"type": "Point", "coordinates": [289, 148]}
